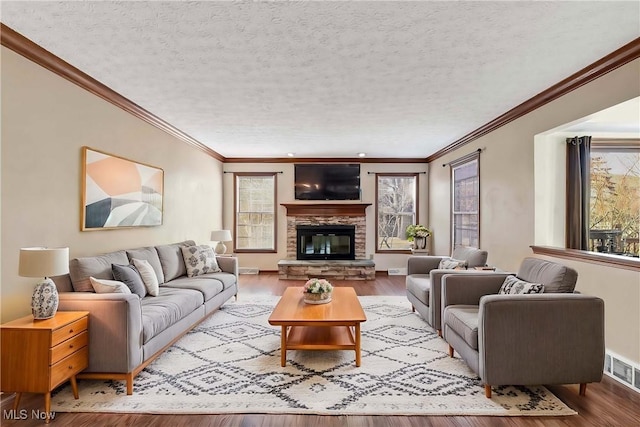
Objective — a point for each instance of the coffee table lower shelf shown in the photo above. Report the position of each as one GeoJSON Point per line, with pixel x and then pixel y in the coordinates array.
{"type": "Point", "coordinates": [320, 338]}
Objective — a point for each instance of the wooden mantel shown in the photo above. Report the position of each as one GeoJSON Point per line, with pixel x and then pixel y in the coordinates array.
{"type": "Point", "coordinates": [326, 209]}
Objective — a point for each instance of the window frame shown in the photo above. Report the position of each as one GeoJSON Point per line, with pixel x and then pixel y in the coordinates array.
{"type": "Point", "coordinates": [456, 164]}
{"type": "Point", "coordinates": [415, 176]}
{"type": "Point", "coordinates": [237, 175]}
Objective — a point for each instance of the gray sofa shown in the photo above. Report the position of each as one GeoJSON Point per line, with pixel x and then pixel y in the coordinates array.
{"type": "Point", "coordinates": [556, 337]}
{"type": "Point", "coordinates": [424, 277]}
{"type": "Point", "coordinates": [127, 332]}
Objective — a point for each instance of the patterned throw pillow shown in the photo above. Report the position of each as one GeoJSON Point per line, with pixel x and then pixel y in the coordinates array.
{"type": "Point", "coordinates": [450, 264]}
{"type": "Point", "coordinates": [199, 260]}
{"type": "Point", "coordinates": [512, 286]}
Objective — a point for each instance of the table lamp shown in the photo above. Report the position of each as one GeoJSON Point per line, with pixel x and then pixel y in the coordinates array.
{"type": "Point", "coordinates": [44, 262]}
{"type": "Point", "coordinates": [221, 236]}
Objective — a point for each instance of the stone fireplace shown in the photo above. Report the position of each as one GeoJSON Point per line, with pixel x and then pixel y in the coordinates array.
{"type": "Point", "coordinates": [330, 216]}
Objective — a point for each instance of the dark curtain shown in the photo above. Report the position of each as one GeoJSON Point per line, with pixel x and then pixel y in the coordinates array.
{"type": "Point", "coordinates": [578, 192]}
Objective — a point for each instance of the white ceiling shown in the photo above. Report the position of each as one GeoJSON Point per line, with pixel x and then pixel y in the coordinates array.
{"type": "Point", "coordinates": [327, 79]}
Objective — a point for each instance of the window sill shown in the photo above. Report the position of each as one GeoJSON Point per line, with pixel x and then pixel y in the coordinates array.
{"type": "Point", "coordinates": [614, 261]}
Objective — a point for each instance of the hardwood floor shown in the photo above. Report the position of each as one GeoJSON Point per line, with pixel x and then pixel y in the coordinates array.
{"type": "Point", "coordinates": [606, 404]}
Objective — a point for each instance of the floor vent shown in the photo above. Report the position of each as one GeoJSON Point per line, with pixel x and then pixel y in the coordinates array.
{"type": "Point", "coordinates": [397, 272]}
{"type": "Point", "coordinates": [248, 270]}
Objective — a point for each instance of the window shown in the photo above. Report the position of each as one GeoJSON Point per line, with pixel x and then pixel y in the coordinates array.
{"type": "Point", "coordinates": [255, 203]}
{"type": "Point", "coordinates": [614, 208]}
{"type": "Point", "coordinates": [465, 201]}
{"type": "Point", "coordinates": [396, 209]}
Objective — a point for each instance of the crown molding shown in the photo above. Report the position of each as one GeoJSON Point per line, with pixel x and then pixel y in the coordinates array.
{"type": "Point", "coordinates": [322, 160]}
{"type": "Point", "coordinates": [615, 59]}
{"type": "Point", "coordinates": [18, 43]}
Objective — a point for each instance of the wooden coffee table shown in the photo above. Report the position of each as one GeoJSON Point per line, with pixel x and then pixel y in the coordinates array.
{"type": "Point", "coordinates": [331, 326]}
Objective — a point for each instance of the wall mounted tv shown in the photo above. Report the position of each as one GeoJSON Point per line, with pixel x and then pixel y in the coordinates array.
{"type": "Point", "coordinates": [320, 181]}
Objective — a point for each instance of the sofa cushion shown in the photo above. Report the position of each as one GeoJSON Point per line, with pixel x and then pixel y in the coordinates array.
{"type": "Point", "coordinates": [80, 269]}
{"type": "Point", "coordinates": [208, 287]}
{"type": "Point", "coordinates": [199, 260]}
{"type": "Point", "coordinates": [128, 274]}
{"type": "Point", "coordinates": [419, 285]}
{"type": "Point", "coordinates": [148, 254]}
{"type": "Point", "coordinates": [474, 257]}
{"type": "Point", "coordinates": [555, 277]}
{"type": "Point", "coordinates": [513, 286]}
{"type": "Point", "coordinates": [170, 306]}
{"type": "Point", "coordinates": [172, 260]}
{"type": "Point", "coordinates": [148, 276]}
{"type": "Point", "coordinates": [227, 279]}
{"type": "Point", "coordinates": [104, 286]}
{"type": "Point", "coordinates": [451, 263]}
{"type": "Point", "coordinates": [463, 320]}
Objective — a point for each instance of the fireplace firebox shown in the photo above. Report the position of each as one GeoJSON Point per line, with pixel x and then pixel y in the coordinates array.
{"type": "Point", "coordinates": [335, 242]}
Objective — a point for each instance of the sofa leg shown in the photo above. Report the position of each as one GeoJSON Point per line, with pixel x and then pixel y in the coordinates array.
{"type": "Point", "coordinates": [487, 391]}
{"type": "Point", "coordinates": [583, 389]}
{"type": "Point", "coordinates": [236, 297]}
{"type": "Point", "coordinates": [129, 383]}
{"type": "Point", "coordinates": [439, 332]}
{"type": "Point", "coordinates": [413, 309]}
{"type": "Point", "coordinates": [450, 351]}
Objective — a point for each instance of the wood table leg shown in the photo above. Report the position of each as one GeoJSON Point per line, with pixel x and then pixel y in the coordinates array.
{"type": "Point", "coordinates": [47, 407]}
{"type": "Point", "coordinates": [74, 386]}
{"type": "Point", "coordinates": [283, 347]}
{"type": "Point", "coordinates": [357, 344]}
{"type": "Point", "coordinates": [16, 401]}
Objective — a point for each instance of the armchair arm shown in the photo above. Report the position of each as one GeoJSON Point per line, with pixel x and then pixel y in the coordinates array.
{"type": "Point", "coordinates": [422, 264]}
{"type": "Point", "coordinates": [541, 339]}
{"type": "Point", "coordinates": [467, 289]}
{"type": "Point", "coordinates": [115, 329]}
{"type": "Point", "coordinates": [228, 265]}
{"type": "Point", "coordinates": [435, 295]}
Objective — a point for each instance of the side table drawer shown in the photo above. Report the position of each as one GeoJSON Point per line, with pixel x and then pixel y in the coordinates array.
{"type": "Point", "coordinates": [69, 366]}
{"type": "Point", "coordinates": [69, 331]}
{"type": "Point", "coordinates": [69, 346]}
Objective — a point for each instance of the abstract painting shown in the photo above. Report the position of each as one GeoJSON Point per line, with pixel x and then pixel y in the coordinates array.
{"type": "Point", "coordinates": [118, 192]}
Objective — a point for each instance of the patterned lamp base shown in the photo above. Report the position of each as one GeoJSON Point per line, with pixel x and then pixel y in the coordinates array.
{"type": "Point", "coordinates": [44, 302]}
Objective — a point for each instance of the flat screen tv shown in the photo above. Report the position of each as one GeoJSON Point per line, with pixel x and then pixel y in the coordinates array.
{"type": "Point", "coordinates": [318, 181]}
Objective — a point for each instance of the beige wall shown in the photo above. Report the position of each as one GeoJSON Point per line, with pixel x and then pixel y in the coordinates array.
{"type": "Point", "coordinates": [508, 203]}
{"type": "Point", "coordinates": [45, 122]}
{"type": "Point", "coordinates": [286, 195]}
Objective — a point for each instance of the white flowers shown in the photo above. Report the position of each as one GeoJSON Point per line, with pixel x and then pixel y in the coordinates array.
{"type": "Point", "coordinates": [317, 286]}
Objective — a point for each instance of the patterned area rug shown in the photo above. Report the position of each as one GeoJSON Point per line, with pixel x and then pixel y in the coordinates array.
{"type": "Point", "coordinates": [231, 364]}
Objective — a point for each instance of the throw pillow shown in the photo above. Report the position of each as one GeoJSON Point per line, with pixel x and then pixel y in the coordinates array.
{"type": "Point", "coordinates": [104, 286]}
{"type": "Point", "coordinates": [450, 264]}
{"type": "Point", "coordinates": [199, 260]}
{"type": "Point", "coordinates": [513, 286]}
{"type": "Point", "coordinates": [148, 276]}
{"type": "Point", "coordinates": [128, 275]}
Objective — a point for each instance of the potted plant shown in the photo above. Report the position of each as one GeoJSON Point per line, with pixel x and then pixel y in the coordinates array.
{"type": "Point", "coordinates": [418, 234]}
{"type": "Point", "coordinates": [317, 291]}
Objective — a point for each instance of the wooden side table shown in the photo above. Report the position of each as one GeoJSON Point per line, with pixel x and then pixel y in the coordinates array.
{"type": "Point", "coordinates": [39, 355]}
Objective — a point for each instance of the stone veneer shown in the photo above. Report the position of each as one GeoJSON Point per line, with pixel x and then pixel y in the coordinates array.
{"type": "Point", "coordinates": [327, 214]}
{"type": "Point", "coordinates": [358, 221]}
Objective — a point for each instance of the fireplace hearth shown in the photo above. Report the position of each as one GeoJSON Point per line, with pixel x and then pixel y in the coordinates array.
{"type": "Point", "coordinates": [325, 242]}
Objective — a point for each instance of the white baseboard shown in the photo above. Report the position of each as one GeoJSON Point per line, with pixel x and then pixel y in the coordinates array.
{"type": "Point", "coordinates": [248, 270]}
{"type": "Point", "coordinates": [397, 271]}
{"type": "Point", "coordinates": [622, 370]}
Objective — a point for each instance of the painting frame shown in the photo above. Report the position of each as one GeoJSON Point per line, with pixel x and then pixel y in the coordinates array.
{"type": "Point", "coordinates": [119, 193]}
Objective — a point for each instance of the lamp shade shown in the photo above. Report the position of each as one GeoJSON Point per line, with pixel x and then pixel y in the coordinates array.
{"type": "Point", "coordinates": [43, 262]}
{"type": "Point", "coordinates": [221, 236]}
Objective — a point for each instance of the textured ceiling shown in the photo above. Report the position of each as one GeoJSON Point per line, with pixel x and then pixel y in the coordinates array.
{"type": "Point", "coordinates": [327, 79]}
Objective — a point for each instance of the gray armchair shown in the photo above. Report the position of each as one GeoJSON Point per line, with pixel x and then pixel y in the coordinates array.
{"type": "Point", "coordinates": [423, 281]}
{"type": "Point", "coordinates": [552, 338]}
